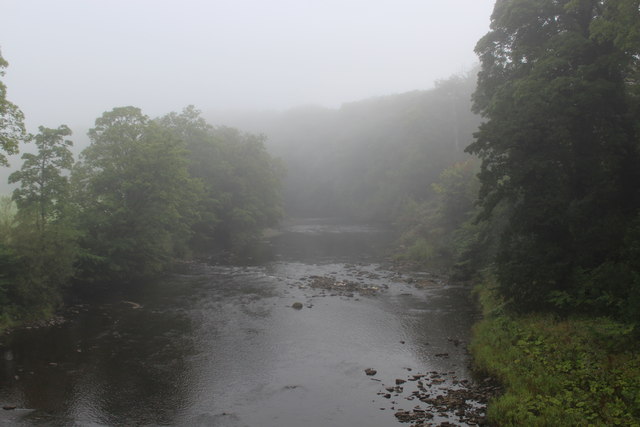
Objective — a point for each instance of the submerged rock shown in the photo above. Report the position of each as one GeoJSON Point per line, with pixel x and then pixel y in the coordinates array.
{"type": "Point", "coordinates": [297, 305]}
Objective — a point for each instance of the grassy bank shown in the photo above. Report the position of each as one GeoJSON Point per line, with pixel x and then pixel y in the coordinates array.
{"type": "Point", "coordinates": [569, 372]}
{"type": "Point", "coordinates": [13, 317]}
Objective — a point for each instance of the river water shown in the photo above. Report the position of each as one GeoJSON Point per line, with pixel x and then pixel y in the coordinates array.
{"type": "Point", "coordinates": [221, 344]}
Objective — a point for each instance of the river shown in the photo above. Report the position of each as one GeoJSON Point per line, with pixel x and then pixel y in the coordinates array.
{"type": "Point", "coordinates": [221, 344]}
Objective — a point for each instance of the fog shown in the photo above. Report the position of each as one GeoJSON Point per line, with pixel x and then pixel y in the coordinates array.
{"type": "Point", "coordinates": [71, 60]}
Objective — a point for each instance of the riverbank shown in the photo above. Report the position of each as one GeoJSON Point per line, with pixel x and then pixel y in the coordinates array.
{"type": "Point", "coordinates": [17, 318]}
{"type": "Point", "coordinates": [577, 371]}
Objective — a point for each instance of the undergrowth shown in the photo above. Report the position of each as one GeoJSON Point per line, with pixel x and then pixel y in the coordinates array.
{"type": "Point", "coordinates": [558, 372]}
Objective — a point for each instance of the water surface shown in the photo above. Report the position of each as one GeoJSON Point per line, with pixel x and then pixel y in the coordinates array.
{"type": "Point", "coordinates": [221, 345]}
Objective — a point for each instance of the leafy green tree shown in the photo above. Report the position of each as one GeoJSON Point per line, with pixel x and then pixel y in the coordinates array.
{"type": "Point", "coordinates": [134, 195]}
{"type": "Point", "coordinates": [44, 186]}
{"type": "Point", "coordinates": [12, 130]}
{"type": "Point", "coordinates": [203, 156]}
{"type": "Point", "coordinates": [41, 247]}
{"type": "Point", "coordinates": [249, 184]}
{"type": "Point", "coordinates": [241, 182]}
{"type": "Point", "coordinates": [560, 143]}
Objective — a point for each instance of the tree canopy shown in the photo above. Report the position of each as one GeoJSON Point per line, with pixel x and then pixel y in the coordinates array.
{"type": "Point", "coordinates": [559, 147]}
{"type": "Point", "coordinates": [43, 186]}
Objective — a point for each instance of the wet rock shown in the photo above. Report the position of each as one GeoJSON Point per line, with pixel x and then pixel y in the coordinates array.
{"type": "Point", "coordinates": [342, 287]}
{"type": "Point", "coordinates": [370, 371]}
{"type": "Point", "coordinates": [400, 381]}
{"type": "Point", "coordinates": [464, 404]}
{"type": "Point", "coordinates": [297, 305]}
{"type": "Point", "coordinates": [9, 407]}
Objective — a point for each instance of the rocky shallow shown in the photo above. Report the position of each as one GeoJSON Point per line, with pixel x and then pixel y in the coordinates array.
{"type": "Point", "coordinates": [439, 399]}
{"type": "Point", "coordinates": [420, 399]}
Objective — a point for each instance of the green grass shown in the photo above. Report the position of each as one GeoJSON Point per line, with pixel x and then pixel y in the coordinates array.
{"type": "Point", "coordinates": [572, 372]}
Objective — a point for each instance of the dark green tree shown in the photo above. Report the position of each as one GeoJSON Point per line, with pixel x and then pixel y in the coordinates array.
{"type": "Point", "coordinates": [559, 147]}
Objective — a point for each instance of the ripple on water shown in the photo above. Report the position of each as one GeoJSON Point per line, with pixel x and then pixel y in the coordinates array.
{"type": "Point", "coordinates": [221, 345]}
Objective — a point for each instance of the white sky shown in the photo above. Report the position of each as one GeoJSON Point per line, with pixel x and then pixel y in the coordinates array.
{"type": "Point", "coordinates": [71, 60]}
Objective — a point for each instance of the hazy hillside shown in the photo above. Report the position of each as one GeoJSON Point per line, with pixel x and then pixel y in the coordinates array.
{"type": "Point", "coordinates": [365, 158]}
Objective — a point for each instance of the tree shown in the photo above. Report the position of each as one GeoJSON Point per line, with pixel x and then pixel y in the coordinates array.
{"type": "Point", "coordinates": [41, 251]}
{"type": "Point", "coordinates": [559, 146]}
{"type": "Point", "coordinates": [44, 187]}
{"type": "Point", "coordinates": [12, 130]}
{"type": "Point", "coordinates": [240, 181]}
{"type": "Point", "coordinates": [134, 195]}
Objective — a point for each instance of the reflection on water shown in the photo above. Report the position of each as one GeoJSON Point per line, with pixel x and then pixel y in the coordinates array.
{"type": "Point", "coordinates": [221, 345]}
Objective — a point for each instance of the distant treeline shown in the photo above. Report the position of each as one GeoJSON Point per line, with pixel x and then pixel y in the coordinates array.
{"type": "Point", "coordinates": [368, 159]}
{"type": "Point", "coordinates": [145, 193]}
{"type": "Point", "coordinates": [398, 158]}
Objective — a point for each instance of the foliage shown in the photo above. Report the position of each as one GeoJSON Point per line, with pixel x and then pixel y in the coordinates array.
{"type": "Point", "coordinates": [41, 264]}
{"type": "Point", "coordinates": [573, 372]}
{"type": "Point", "coordinates": [240, 180]}
{"type": "Point", "coordinates": [38, 243]}
{"type": "Point", "coordinates": [12, 130]}
{"type": "Point", "coordinates": [441, 232]}
{"type": "Point", "coordinates": [133, 203]}
{"type": "Point", "coordinates": [250, 190]}
{"type": "Point", "coordinates": [7, 218]}
{"type": "Point", "coordinates": [150, 191]}
{"type": "Point", "coordinates": [560, 146]}
{"type": "Point", "coordinates": [43, 187]}
{"type": "Point", "coordinates": [134, 197]}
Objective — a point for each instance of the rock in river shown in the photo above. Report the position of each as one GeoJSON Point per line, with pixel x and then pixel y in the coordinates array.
{"type": "Point", "coordinates": [297, 305]}
{"type": "Point", "coordinates": [370, 371]}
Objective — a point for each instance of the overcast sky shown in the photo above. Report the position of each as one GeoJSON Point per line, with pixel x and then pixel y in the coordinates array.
{"type": "Point", "coordinates": [71, 60]}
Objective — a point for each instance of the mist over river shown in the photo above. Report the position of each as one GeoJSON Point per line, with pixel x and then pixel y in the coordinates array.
{"type": "Point", "coordinates": [221, 344]}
